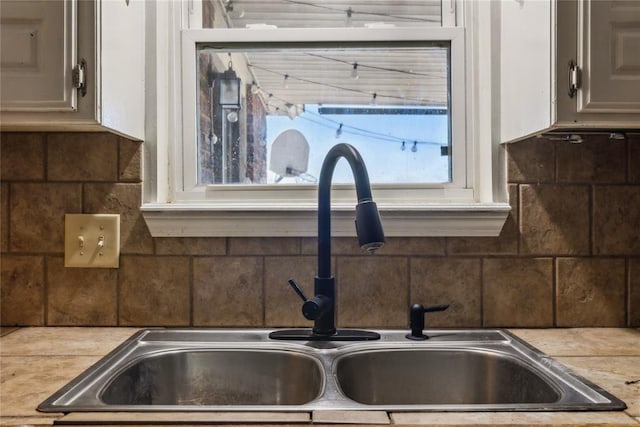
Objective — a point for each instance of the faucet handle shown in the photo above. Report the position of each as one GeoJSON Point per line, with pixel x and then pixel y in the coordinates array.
{"type": "Point", "coordinates": [297, 289]}
{"type": "Point", "coordinates": [416, 319]}
{"type": "Point", "coordinates": [312, 308]}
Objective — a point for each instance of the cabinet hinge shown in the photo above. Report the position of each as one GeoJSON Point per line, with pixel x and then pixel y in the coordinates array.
{"type": "Point", "coordinates": [79, 77]}
{"type": "Point", "coordinates": [575, 78]}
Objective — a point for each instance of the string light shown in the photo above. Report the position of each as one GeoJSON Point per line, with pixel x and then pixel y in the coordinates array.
{"type": "Point", "coordinates": [349, 19]}
{"type": "Point", "coordinates": [360, 12]}
{"type": "Point", "coordinates": [269, 106]}
{"type": "Point", "coordinates": [403, 147]}
{"type": "Point", "coordinates": [414, 149]}
{"type": "Point", "coordinates": [292, 111]}
{"type": "Point", "coordinates": [374, 67]}
{"type": "Point", "coordinates": [255, 88]}
{"type": "Point", "coordinates": [354, 72]}
{"type": "Point", "coordinates": [339, 131]}
{"type": "Point", "coordinates": [375, 96]}
{"type": "Point", "coordinates": [327, 122]}
{"type": "Point", "coordinates": [230, 8]}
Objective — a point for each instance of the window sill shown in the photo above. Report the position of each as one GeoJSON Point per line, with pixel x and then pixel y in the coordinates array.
{"type": "Point", "coordinates": [199, 220]}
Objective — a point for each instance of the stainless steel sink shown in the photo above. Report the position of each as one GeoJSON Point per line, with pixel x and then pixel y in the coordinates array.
{"type": "Point", "coordinates": [217, 377]}
{"type": "Point", "coordinates": [243, 370]}
{"type": "Point", "coordinates": [442, 377]}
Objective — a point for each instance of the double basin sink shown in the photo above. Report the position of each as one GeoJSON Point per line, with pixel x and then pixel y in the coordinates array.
{"type": "Point", "coordinates": [209, 370]}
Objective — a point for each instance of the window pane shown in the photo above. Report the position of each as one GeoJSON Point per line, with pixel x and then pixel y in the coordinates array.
{"type": "Point", "coordinates": [320, 13]}
{"type": "Point", "coordinates": [294, 104]}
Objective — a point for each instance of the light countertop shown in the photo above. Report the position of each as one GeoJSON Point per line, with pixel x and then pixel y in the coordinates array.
{"type": "Point", "coordinates": [35, 362]}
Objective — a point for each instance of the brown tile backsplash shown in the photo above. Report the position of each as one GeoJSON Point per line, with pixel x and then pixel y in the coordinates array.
{"type": "Point", "coordinates": [264, 246]}
{"type": "Point", "coordinates": [568, 255]}
{"type": "Point", "coordinates": [634, 158]}
{"type": "Point", "coordinates": [82, 157]}
{"type": "Point", "coordinates": [616, 220]}
{"type": "Point", "coordinates": [4, 217]}
{"type": "Point", "coordinates": [412, 246]}
{"type": "Point", "coordinates": [453, 281]}
{"type": "Point", "coordinates": [517, 292]}
{"type": "Point", "coordinates": [531, 161]}
{"type": "Point", "coordinates": [129, 160]}
{"type": "Point", "coordinates": [154, 291]}
{"type": "Point", "coordinates": [633, 305]}
{"type": "Point", "coordinates": [22, 156]}
{"type": "Point", "coordinates": [554, 219]}
{"type": "Point", "coordinates": [228, 291]}
{"type": "Point", "coordinates": [372, 291]}
{"type": "Point", "coordinates": [598, 159]}
{"type": "Point", "coordinates": [36, 215]}
{"type": "Point", "coordinates": [191, 246]}
{"type": "Point", "coordinates": [81, 296]}
{"type": "Point", "coordinates": [23, 290]}
{"type": "Point", "coordinates": [392, 246]}
{"type": "Point", "coordinates": [591, 292]}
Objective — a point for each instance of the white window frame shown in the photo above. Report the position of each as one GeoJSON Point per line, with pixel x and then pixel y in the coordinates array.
{"type": "Point", "coordinates": [474, 204]}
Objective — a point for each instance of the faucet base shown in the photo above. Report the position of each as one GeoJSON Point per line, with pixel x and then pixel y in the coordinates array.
{"type": "Point", "coordinates": [309, 335]}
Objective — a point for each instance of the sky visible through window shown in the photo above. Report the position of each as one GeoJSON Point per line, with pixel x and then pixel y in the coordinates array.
{"type": "Point", "coordinates": [397, 147]}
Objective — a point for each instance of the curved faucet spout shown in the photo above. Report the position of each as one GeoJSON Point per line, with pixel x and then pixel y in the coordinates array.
{"type": "Point", "coordinates": [368, 226]}
{"type": "Point", "coordinates": [358, 168]}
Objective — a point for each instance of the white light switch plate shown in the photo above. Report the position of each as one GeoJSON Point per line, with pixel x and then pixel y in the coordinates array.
{"type": "Point", "coordinates": [92, 240]}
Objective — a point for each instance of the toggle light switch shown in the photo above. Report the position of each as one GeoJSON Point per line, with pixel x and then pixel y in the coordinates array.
{"type": "Point", "coordinates": [92, 240]}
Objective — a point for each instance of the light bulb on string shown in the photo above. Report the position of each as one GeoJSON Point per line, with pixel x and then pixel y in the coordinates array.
{"type": "Point", "coordinates": [349, 18]}
{"type": "Point", "coordinates": [354, 71]}
{"type": "Point", "coordinates": [339, 131]}
{"type": "Point", "coordinates": [403, 147]}
{"type": "Point", "coordinates": [231, 10]}
{"type": "Point", "coordinates": [255, 89]}
{"type": "Point", "coordinates": [414, 149]}
{"type": "Point", "coordinates": [374, 99]}
{"type": "Point", "coordinates": [269, 106]}
{"type": "Point", "coordinates": [285, 81]}
{"type": "Point", "coordinates": [292, 111]}
{"type": "Point", "coordinates": [213, 138]}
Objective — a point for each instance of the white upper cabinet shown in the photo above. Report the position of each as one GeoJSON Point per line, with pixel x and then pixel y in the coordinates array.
{"type": "Point", "coordinates": [568, 64]}
{"type": "Point", "coordinates": [608, 53]}
{"type": "Point", "coordinates": [73, 65]}
{"type": "Point", "coordinates": [36, 55]}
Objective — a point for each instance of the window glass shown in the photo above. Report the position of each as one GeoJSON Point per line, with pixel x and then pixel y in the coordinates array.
{"type": "Point", "coordinates": [268, 115]}
{"type": "Point", "coordinates": [321, 13]}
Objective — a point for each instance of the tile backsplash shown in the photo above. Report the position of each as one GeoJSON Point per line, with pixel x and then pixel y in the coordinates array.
{"type": "Point", "coordinates": [569, 254]}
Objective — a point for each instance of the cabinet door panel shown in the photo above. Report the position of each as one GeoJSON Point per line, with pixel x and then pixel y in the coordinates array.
{"type": "Point", "coordinates": [37, 55]}
{"type": "Point", "coordinates": [609, 53]}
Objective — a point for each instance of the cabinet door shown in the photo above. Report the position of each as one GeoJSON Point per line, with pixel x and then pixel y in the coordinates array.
{"type": "Point", "coordinates": [38, 52]}
{"type": "Point", "coordinates": [122, 66]}
{"type": "Point", "coordinates": [609, 55]}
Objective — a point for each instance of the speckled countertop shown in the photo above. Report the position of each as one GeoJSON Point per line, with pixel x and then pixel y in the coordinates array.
{"type": "Point", "coordinates": [35, 362]}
